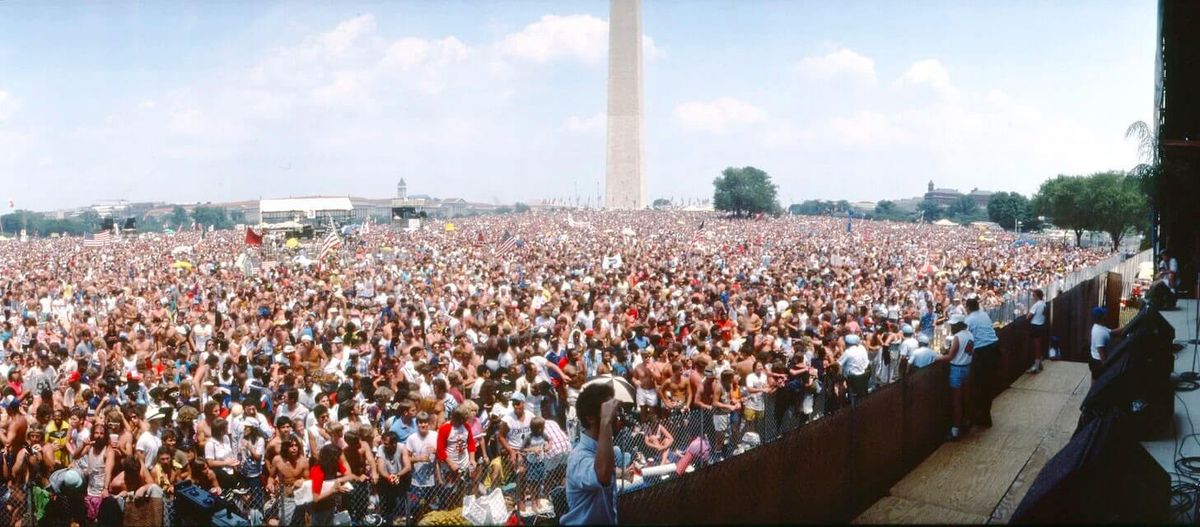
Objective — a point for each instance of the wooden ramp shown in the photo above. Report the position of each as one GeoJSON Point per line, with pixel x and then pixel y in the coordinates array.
{"type": "Point", "coordinates": [982, 477]}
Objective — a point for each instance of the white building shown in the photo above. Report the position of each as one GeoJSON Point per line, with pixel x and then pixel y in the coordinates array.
{"type": "Point", "coordinates": [309, 210]}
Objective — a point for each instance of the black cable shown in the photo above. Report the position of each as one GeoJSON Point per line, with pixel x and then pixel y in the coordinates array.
{"type": "Point", "coordinates": [1185, 487]}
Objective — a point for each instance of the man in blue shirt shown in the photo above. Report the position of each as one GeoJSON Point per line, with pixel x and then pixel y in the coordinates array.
{"type": "Point", "coordinates": [986, 360]}
{"type": "Point", "coordinates": [591, 465]}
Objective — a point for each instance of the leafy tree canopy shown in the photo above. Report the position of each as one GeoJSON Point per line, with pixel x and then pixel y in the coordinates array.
{"type": "Point", "coordinates": [745, 191]}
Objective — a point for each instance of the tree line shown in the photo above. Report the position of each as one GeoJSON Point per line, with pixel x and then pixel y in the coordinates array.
{"type": "Point", "coordinates": [1113, 202]}
{"type": "Point", "coordinates": [88, 221]}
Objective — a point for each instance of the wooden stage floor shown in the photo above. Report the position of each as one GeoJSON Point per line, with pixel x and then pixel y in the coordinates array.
{"type": "Point", "coordinates": [982, 477]}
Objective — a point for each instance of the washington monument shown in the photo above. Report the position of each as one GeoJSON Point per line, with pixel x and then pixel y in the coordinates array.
{"type": "Point", "coordinates": [625, 186]}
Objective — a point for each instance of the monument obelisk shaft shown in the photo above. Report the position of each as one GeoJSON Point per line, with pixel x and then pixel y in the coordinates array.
{"type": "Point", "coordinates": [625, 179]}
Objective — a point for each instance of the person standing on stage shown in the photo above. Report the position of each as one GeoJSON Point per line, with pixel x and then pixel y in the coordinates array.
{"type": "Point", "coordinates": [1038, 333]}
{"type": "Point", "coordinates": [1101, 342]}
{"type": "Point", "coordinates": [985, 362]}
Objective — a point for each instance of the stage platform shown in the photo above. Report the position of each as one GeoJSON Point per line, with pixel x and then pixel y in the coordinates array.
{"type": "Point", "coordinates": [1174, 442]}
{"type": "Point", "coordinates": [982, 477]}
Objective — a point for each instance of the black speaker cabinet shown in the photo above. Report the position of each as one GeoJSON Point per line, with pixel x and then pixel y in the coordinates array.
{"type": "Point", "coordinates": [1103, 475]}
{"type": "Point", "coordinates": [1136, 378]}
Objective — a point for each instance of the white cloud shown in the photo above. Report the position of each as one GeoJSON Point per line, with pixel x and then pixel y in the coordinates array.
{"type": "Point", "coordinates": [572, 37]}
{"type": "Point", "coordinates": [930, 73]}
{"type": "Point", "coordinates": [585, 125]}
{"type": "Point", "coordinates": [579, 37]}
{"type": "Point", "coordinates": [843, 62]}
{"type": "Point", "coordinates": [866, 129]}
{"type": "Point", "coordinates": [409, 53]}
{"type": "Point", "coordinates": [717, 116]}
{"type": "Point", "coordinates": [9, 104]}
{"type": "Point", "coordinates": [348, 33]}
{"type": "Point", "coordinates": [783, 133]}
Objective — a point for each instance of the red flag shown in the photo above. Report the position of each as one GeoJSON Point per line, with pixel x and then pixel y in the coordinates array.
{"type": "Point", "coordinates": [253, 238]}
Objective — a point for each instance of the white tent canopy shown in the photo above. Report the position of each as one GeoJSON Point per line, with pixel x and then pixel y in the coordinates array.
{"type": "Point", "coordinates": [286, 225]}
{"type": "Point", "coordinates": [945, 223]}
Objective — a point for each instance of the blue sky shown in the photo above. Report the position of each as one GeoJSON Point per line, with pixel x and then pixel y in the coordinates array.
{"type": "Point", "coordinates": [501, 100]}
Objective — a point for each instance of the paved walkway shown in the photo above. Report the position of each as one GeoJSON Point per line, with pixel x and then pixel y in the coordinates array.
{"type": "Point", "coordinates": [982, 477]}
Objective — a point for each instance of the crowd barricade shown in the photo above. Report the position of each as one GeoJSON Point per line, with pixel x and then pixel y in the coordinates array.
{"type": "Point", "coordinates": [817, 471]}
{"type": "Point", "coordinates": [832, 468]}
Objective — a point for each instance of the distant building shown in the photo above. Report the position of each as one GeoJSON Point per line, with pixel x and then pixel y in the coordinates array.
{"type": "Point", "coordinates": [981, 197]}
{"type": "Point", "coordinates": [864, 207]}
{"type": "Point", "coordinates": [948, 196]}
{"type": "Point", "coordinates": [317, 210]}
{"type": "Point", "coordinates": [437, 208]}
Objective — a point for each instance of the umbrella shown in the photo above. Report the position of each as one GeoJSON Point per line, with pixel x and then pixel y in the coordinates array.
{"type": "Point", "coordinates": [180, 264]}
{"type": "Point", "coordinates": [292, 243]}
{"type": "Point", "coordinates": [623, 391]}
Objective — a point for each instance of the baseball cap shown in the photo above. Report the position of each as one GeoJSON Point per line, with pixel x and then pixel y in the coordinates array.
{"type": "Point", "coordinates": [853, 339]}
{"type": "Point", "coordinates": [73, 377]}
{"type": "Point", "coordinates": [517, 396]}
{"type": "Point", "coordinates": [337, 340]}
{"type": "Point", "coordinates": [1099, 311]}
{"type": "Point", "coordinates": [289, 349]}
{"type": "Point", "coordinates": [906, 329]}
{"type": "Point", "coordinates": [923, 339]}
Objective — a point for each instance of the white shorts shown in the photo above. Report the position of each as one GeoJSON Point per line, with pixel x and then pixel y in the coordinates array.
{"type": "Point", "coordinates": [720, 422]}
{"type": "Point", "coordinates": [647, 397]}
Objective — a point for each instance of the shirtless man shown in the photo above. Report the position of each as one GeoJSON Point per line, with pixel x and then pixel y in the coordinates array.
{"type": "Point", "coordinates": [361, 463]}
{"type": "Point", "coordinates": [676, 390]}
{"type": "Point", "coordinates": [14, 441]}
{"type": "Point", "coordinates": [288, 468]}
{"type": "Point", "coordinates": [645, 380]}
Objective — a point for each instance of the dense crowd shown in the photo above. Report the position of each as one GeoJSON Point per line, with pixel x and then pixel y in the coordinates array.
{"type": "Point", "coordinates": [412, 362]}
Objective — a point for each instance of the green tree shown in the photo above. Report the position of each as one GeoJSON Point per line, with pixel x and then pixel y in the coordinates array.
{"type": "Point", "coordinates": [1063, 200]}
{"type": "Point", "coordinates": [215, 216]}
{"type": "Point", "coordinates": [150, 224]}
{"type": "Point", "coordinates": [1148, 168]}
{"type": "Point", "coordinates": [930, 210]}
{"type": "Point", "coordinates": [885, 208]}
{"type": "Point", "coordinates": [812, 207]}
{"type": "Point", "coordinates": [963, 206]}
{"type": "Point", "coordinates": [90, 220]}
{"type": "Point", "coordinates": [1119, 203]}
{"type": "Point", "coordinates": [745, 191]}
{"type": "Point", "coordinates": [1007, 208]}
{"type": "Point", "coordinates": [178, 217]}
{"type": "Point", "coordinates": [519, 207]}
{"type": "Point", "coordinates": [661, 202]}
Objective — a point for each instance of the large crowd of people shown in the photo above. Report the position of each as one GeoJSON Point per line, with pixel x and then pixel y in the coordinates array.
{"type": "Point", "coordinates": [414, 367]}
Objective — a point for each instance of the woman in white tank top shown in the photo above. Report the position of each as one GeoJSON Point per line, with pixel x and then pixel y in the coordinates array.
{"type": "Point", "coordinates": [962, 346]}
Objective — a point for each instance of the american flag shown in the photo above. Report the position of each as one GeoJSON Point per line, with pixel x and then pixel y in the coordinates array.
{"type": "Point", "coordinates": [699, 235]}
{"type": "Point", "coordinates": [100, 239]}
{"type": "Point", "coordinates": [332, 243]}
{"type": "Point", "coordinates": [506, 244]}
